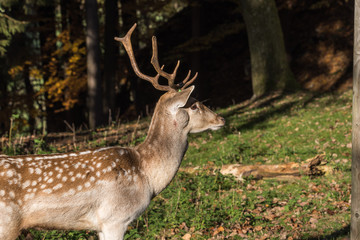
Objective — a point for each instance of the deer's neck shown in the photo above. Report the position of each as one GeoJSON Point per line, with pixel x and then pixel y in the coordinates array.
{"type": "Point", "coordinates": [162, 151]}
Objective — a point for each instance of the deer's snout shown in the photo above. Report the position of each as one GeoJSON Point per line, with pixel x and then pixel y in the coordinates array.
{"type": "Point", "coordinates": [221, 119]}
{"type": "Point", "coordinates": [219, 122]}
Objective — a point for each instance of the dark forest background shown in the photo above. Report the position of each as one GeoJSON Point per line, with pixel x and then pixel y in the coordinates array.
{"type": "Point", "coordinates": [45, 84]}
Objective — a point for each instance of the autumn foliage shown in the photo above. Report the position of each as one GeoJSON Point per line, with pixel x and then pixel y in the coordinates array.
{"type": "Point", "coordinates": [67, 72]}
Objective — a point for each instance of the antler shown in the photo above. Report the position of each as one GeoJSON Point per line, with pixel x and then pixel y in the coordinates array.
{"type": "Point", "coordinates": [126, 41]}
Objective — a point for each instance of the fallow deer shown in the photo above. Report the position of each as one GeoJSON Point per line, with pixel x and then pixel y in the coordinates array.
{"type": "Point", "coordinates": [104, 189]}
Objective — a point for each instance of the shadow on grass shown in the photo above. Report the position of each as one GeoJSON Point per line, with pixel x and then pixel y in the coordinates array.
{"type": "Point", "coordinates": [343, 232]}
{"type": "Point", "coordinates": [271, 107]}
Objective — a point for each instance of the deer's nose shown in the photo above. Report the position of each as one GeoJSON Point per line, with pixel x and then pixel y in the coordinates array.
{"type": "Point", "coordinates": [221, 119]}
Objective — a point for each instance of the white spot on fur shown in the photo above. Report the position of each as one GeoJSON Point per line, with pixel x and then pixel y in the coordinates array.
{"type": "Point", "coordinates": [98, 174]}
{"type": "Point", "coordinates": [38, 171]}
{"type": "Point", "coordinates": [58, 176]}
{"type": "Point", "coordinates": [50, 180]}
{"type": "Point", "coordinates": [98, 165]}
{"type": "Point", "coordinates": [10, 173]}
{"type": "Point", "coordinates": [72, 179]}
{"type": "Point", "coordinates": [12, 194]}
{"type": "Point", "coordinates": [7, 165]}
{"type": "Point", "coordinates": [87, 184]}
{"type": "Point", "coordinates": [79, 188]}
{"type": "Point", "coordinates": [57, 186]}
{"type": "Point", "coordinates": [26, 184]}
{"type": "Point", "coordinates": [33, 183]}
{"type": "Point", "coordinates": [78, 175]}
{"type": "Point", "coordinates": [72, 154]}
{"type": "Point", "coordinates": [43, 186]}
{"type": "Point", "coordinates": [70, 192]}
{"type": "Point", "coordinates": [92, 179]}
{"type": "Point", "coordinates": [101, 149]}
{"type": "Point", "coordinates": [83, 153]}
{"type": "Point", "coordinates": [31, 170]}
{"type": "Point", "coordinates": [47, 191]}
{"type": "Point", "coordinates": [66, 166]}
{"type": "Point", "coordinates": [64, 179]}
{"type": "Point", "coordinates": [2, 193]}
{"type": "Point", "coordinates": [29, 196]}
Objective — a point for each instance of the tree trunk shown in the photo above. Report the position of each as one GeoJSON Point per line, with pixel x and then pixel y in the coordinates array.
{"type": "Point", "coordinates": [75, 18]}
{"type": "Point", "coordinates": [93, 64]}
{"type": "Point", "coordinates": [48, 25]}
{"type": "Point", "coordinates": [129, 17]}
{"type": "Point", "coordinates": [111, 53]}
{"type": "Point", "coordinates": [29, 99]}
{"type": "Point", "coordinates": [269, 65]}
{"type": "Point", "coordinates": [4, 99]}
{"type": "Point", "coordinates": [203, 88]}
{"type": "Point", "coordinates": [355, 165]}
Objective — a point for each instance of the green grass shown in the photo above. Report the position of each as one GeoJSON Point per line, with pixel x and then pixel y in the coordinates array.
{"type": "Point", "coordinates": [273, 130]}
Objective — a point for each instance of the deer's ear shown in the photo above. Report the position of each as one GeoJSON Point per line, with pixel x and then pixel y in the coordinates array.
{"type": "Point", "coordinates": [181, 98]}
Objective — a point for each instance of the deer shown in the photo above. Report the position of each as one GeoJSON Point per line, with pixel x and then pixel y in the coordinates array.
{"type": "Point", "coordinates": [104, 189]}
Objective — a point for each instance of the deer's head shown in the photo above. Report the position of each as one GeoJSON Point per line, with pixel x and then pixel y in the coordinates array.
{"type": "Point", "coordinates": [176, 105]}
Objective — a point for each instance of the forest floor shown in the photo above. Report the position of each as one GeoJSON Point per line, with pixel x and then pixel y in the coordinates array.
{"type": "Point", "coordinates": [205, 204]}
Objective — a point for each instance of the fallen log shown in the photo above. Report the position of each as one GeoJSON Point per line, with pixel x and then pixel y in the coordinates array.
{"type": "Point", "coordinates": [287, 171]}
{"type": "Point", "coordinates": [311, 167]}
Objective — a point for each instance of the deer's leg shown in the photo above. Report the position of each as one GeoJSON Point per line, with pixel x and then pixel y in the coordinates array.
{"type": "Point", "coordinates": [9, 223]}
{"type": "Point", "coordinates": [101, 236]}
{"type": "Point", "coordinates": [113, 231]}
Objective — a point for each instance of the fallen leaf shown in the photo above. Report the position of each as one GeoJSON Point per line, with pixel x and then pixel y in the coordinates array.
{"type": "Point", "coordinates": [187, 236]}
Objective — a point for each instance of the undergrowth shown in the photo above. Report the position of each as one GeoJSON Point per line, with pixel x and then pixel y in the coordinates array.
{"type": "Point", "coordinates": [273, 130]}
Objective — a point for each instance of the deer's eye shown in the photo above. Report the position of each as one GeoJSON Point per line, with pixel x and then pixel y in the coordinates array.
{"type": "Point", "coordinates": [193, 107]}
